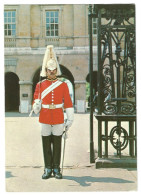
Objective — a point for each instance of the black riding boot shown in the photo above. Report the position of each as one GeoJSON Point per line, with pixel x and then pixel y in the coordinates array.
{"type": "Point", "coordinates": [57, 156]}
{"type": "Point", "coordinates": [47, 153]}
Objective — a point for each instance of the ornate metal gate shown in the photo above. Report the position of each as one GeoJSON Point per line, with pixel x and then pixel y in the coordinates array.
{"type": "Point", "coordinates": [116, 100]}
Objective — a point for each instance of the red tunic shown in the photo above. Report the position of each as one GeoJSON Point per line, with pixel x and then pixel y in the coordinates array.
{"type": "Point", "coordinates": [57, 96]}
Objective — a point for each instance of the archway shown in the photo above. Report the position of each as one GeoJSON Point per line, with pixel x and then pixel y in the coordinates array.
{"type": "Point", "coordinates": [88, 86]}
{"type": "Point", "coordinates": [65, 74]}
{"type": "Point", "coordinates": [94, 79]}
{"type": "Point", "coordinates": [11, 92]}
{"type": "Point", "coordinates": [36, 79]}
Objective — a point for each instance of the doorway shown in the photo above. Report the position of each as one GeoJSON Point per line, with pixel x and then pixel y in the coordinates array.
{"type": "Point", "coordinates": [11, 92]}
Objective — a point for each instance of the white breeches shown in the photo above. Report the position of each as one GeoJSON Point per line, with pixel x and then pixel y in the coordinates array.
{"type": "Point", "coordinates": [47, 130]}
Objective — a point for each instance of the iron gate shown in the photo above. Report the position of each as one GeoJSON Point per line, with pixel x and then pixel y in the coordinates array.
{"type": "Point", "coordinates": [116, 99]}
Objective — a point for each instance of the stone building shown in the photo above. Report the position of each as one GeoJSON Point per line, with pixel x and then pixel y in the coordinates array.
{"type": "Point", "coordinates": [28, 29]}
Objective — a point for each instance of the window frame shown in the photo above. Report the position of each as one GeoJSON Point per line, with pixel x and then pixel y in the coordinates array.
{"type": "Point", "coordinates": [11, 23]}
{"type": "Point", "coordinates": [51, 23]}
{"type": "Point", "coordinates": [55, 7]}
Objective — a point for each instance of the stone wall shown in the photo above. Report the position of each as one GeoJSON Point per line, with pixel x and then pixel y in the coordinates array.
{"type": "Point", "coordinates": [29, 45]}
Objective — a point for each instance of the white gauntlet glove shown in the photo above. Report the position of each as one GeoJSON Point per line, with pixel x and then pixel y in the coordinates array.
{"type": "Point", "coordinates": [65, 134]}
{"type": "Point", "coordinates": [37, 106]}
{"type": "Point", "coordinates": [70, 117]}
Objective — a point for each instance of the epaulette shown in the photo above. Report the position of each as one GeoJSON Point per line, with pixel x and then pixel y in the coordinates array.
{"type": "Point", "coordinates": [60, 79]}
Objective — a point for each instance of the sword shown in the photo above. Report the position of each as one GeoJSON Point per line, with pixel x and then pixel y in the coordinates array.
{"type": "Point", "coordinates": [63, 150]}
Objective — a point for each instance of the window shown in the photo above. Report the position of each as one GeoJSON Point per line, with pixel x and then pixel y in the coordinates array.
{"type": "Point", "coordinates": [10, 62]}
{"type": "Point", "coordinates": [94, 26]}
{"type": "Point", "coordinates": [52, 23]}
{"type": "Point", "coordinates": [9, 23]}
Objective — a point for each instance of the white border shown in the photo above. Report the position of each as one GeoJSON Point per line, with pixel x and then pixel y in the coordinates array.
{"type": "Point", "coordinates": [138, 55]}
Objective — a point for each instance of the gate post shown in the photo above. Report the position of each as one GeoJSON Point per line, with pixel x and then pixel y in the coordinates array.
{"type": "Point", "coordinates": [92, 160]}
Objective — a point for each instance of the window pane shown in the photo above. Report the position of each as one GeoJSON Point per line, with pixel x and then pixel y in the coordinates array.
{"type": "Point", "coordinates": [56, 33]}
{"type": "Point", "coordinates": [52, 26]}
{"type": "Point", "coordinates": [9, 32]}
{"type": "Point", "coordinates": [5, 20]}
{"type": "Point", "coordinates": [56, 14]}
{"type": "Point", "coordinates": [47, 33]}
{"type": "Point", "coordinates": [13, 32]}
{"type": "Point", "coordinates": [5, 26]}
{"type": "Point", "coordinates": [56, 26]}
{"type": "Point", "coordinates": [47, 20]}
{"type": "Point", "coordinates": [47, 26]}
{"type": "Point", "coordinates": [52, 20]}
{"type": "Point", "coordinates": [47, 14]}
{"type": "Point", "coordinates": [13, 20]}
{"type": "Point", "coordinates": [52, 14]}
{"type": "Point", "coordinates": [5, 14]}
{"type": "Point", "coordinates": [13, 13]}
{"type": "Point", "coordinates": [9, 20]}
{"type": "Point", "coordinates": [9, 14]}
{"type": "Point", "coordinates": [52, 33]}
{"type": "Point", "coordinates": [14, 26]}
{"type": "Point", "coordinates": [56, 20]}
{"type": "Point", "coordinates": [9, 26]}
{"type": "Point", "coordinates": [5, 32]}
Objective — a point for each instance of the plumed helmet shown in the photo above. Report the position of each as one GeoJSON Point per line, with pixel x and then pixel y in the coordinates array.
{"type": "Point", "coordinates": [51, 64]}
{"type": "Point", "coordinates": [50, 61]}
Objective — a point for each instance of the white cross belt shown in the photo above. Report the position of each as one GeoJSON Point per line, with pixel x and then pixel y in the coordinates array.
{"type": "Point", "coordinates": [50, 88]}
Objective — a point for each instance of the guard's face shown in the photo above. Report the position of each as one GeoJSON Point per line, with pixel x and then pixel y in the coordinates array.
{"type": "Point", "coordinates": [51, 74]}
